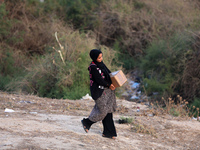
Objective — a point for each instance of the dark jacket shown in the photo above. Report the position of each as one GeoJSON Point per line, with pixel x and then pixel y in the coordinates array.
{"type": "Point", "coordinates": [97, 81]}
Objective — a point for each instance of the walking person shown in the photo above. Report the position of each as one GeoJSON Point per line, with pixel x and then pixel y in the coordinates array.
{"type": "Point", "coordinates": [103, 92]}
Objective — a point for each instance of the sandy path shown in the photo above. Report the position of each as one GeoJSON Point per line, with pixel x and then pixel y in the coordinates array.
{"type": "Point", "coordinates": [55, 124]}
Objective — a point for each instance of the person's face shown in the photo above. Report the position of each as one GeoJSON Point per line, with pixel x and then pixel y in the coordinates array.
{"type": "Point", "coordinates": [100, 57]}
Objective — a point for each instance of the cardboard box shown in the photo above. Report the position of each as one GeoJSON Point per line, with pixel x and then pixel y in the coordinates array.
{"type": "Point", "coordinates": [118, 78]}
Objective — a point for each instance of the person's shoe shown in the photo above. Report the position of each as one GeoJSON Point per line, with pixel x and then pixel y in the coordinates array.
{"type": "Point", "coordinates": [110, 137]}
{"type": "Point", "coordinates": [84, 127]}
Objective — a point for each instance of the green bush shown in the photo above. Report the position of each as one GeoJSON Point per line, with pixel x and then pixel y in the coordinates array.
{"type": "Point", "coordinates": [7, 64]}
{"type": "Point", "coordinates": [164, 62]}
{"type": "Point", "coordinates": [82, 12]}
{"type": "Point", "coordinates": [79, 12]}
{"type": "Point", "coordinates": [125, 120]}
{"type": "Point", "coordinates": [5, 80]}
{"type": "Point", "coordinates": [194, 107]}
{"type": "Point", "coordinates": [5, 23]}
{"type": "Point", "coordinates": [139, 5]}
{"type": "Point", "coordinates": [174, 112]}
{"type": "Point", "coordinates": [123, 59]}
{"type": "Point", "coordinates": [63, 72]}
{"type": "Point", "coordinates": [80, 85]}
{"type": "Point", "coordinates": [9, 68]}
{"type": "Point", "coordinates": [152, 85]}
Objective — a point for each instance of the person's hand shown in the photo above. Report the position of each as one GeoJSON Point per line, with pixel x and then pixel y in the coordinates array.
{"type": "Point", "coordinates": [112, 87]}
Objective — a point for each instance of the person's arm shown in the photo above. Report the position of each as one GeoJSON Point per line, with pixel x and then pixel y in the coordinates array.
{"type": "Point", "coordinates": [98, 78]}
{"type": "Point", "coordinates": [112, 87]}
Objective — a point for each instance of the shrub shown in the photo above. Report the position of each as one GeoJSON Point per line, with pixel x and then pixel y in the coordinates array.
{"type": "Point", "coordinates": [139, 127]}
{"type": "Point", "coordinates": [135, 24]}
{"type": "Point", "coordinates": [10, 65]}
{"type": "Point", "coordinates": [189, 83]}
{"type": "Point", "coordinates": [123, 58]}
{"type": "Point", "coordinates": [63, 72]}
{"type": "Point", "coordinates": [125, 120]}
{"type": "Point", "coordinates": [81, 13]}
{"type": "Point", "coordinates": [5, 80]}
{"type": "Point", "coordinates": [30, 29]}
{"type": "Point", "coordinates": [177, 107]}
{"type": "Point", "coordinates": [164, 62]}
{"type": "Point", "coordinates": [194, 107]}
{"type": "Point", "coordinates": [174, 112]}
{"type": "Point", "coordinates": [153, 85]}
{"type": "Point", "coordinates": [5, 23]}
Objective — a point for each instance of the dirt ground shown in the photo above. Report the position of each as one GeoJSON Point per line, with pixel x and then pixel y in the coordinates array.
{"type": "Point", "coordinates": [42, 123]}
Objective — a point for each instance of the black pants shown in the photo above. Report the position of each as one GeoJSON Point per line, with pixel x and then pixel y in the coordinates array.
{"type": "Point", "coordinates": [108, 125]}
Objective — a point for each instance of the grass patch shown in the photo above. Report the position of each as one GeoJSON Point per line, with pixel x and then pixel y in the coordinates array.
{"type": "Point", "coordinates": [141, 128]}
{"type": "Point", "coordinates": [125, 120]}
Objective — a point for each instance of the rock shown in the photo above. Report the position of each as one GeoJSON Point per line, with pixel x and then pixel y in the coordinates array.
{"type": "Point", "coordinates": [87, 96]}
{"type": "Point", "coordinates": [9, 110]}
{"type": "Point", "coordinates": [33, 112]}
{"type": "Point", "coordinates": [26, 102]}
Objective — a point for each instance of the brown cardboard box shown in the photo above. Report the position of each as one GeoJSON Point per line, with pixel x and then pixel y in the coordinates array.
{"type": "Point", "coordinates": [118, 78]}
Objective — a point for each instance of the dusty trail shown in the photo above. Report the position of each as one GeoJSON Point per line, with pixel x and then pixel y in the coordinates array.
{"type": "Point", "coordinates": [41, 123]}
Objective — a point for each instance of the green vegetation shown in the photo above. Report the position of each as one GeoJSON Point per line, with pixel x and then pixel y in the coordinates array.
{"type": "Point", "coordinates": [194, 108]}
{"type": "Point", "coordinates": [63, 72]}
{"type": "Point", "coordinates": [165, 61]}
{"type": "Point", "coordinates": [126, 120]}
{"type": "Point", "coordinates": [4, 22]}
{"type": "Point", "coordinates": [159, 38]}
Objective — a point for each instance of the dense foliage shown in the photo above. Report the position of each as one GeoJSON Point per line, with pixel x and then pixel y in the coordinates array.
{"type": "Point", "coordinates": [159, 38]}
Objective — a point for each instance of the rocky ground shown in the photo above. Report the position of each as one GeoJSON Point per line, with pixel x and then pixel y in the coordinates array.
{"type": "Point", "coordinates": [42, 123]}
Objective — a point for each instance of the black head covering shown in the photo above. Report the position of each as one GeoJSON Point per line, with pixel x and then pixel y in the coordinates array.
{"type": "Point", "coordinates": [94, 53]}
